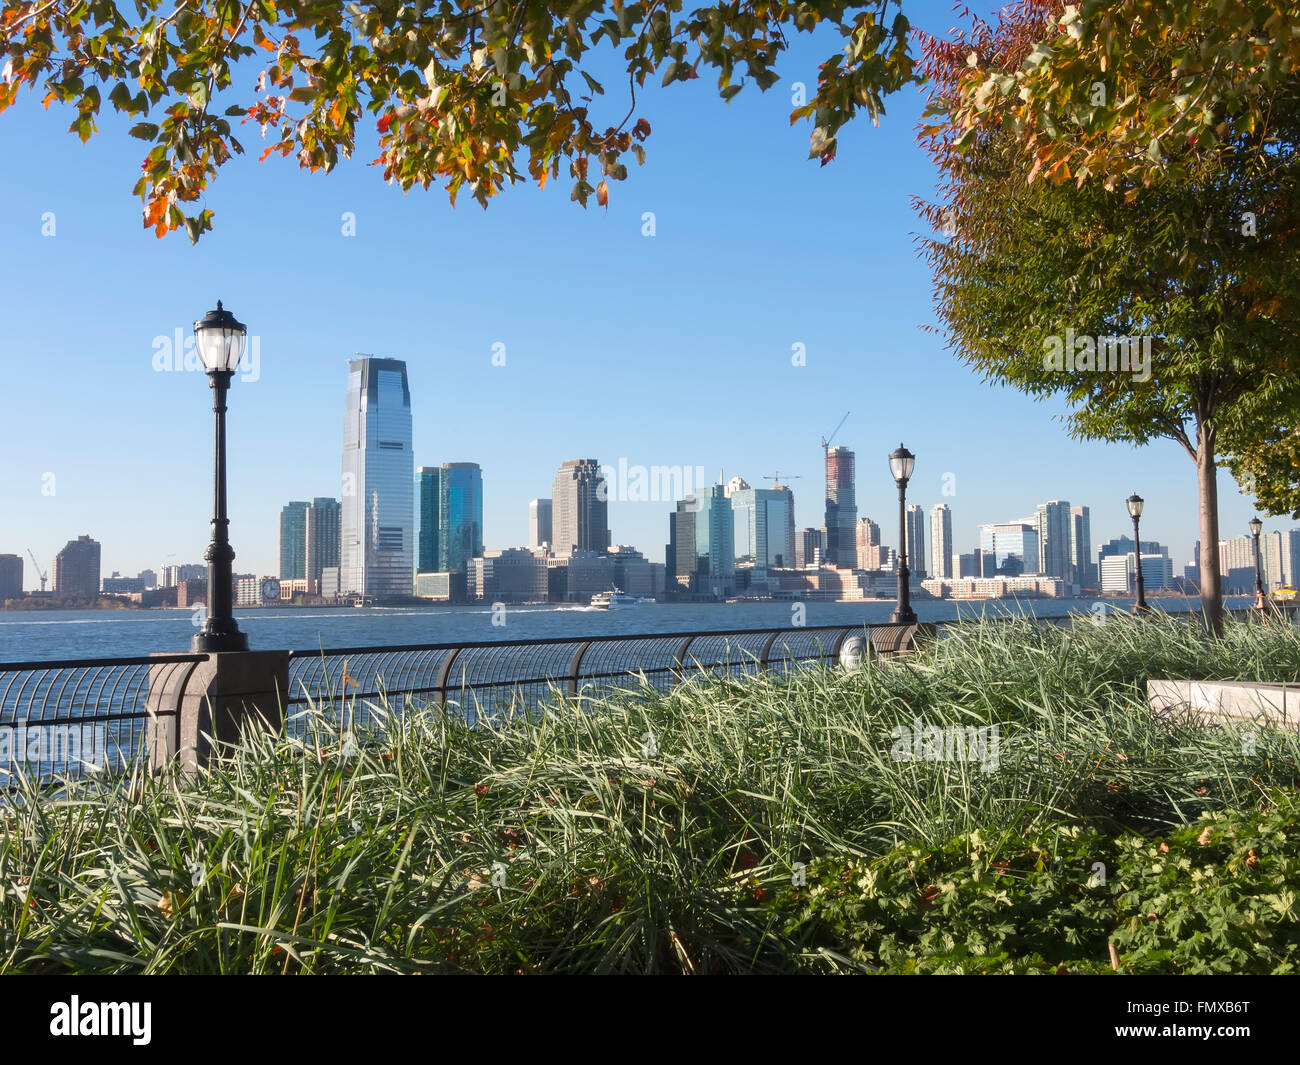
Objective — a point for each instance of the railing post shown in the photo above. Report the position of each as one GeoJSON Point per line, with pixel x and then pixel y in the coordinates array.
{"type": "Point", "coordinates": [577, 666]}
{"type": "Point", "coordinates": [767, 651]}
{"type": "Point", "coordinates": [440, 685]}
{"type": "Point", "coordinates": [193, 717]}
{"type": "Point", "coordinates": [679, 660]}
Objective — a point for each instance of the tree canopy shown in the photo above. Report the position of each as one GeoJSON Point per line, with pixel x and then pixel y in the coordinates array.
{"type": "Point", "coordinates": [1159, 303]}
{"type": "Point", "coordinates": [475, 94]}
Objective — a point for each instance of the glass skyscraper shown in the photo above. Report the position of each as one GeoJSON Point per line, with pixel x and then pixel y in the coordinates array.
{"type": "Point", "coordinates": [378, 540]}
{"type": "Point", "coordinates": [429, 480]}
{"type": "Point", "coordinates": [323, 519]}
{"type": "Point", "coordinates": [460, 515]}
{"type": "Point", "coordinates": [762, 522]}
{"type": "Point", "coordinates": [1009, 550]}
{"type": "Point", "coordinates": [293, 541]}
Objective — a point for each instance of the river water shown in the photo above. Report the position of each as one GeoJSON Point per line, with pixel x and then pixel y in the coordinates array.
{"type": "Point", "coordinates": [63, 634]}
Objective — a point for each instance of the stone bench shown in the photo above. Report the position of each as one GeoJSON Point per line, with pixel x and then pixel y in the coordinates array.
{"type": "Point", "coordinates": [1217, 702]}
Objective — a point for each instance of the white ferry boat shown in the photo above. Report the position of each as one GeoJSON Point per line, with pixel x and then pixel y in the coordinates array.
{"type": "Point", "coordinates": [616, 600]}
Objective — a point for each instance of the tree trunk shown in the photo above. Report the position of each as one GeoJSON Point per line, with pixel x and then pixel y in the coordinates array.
{"type": "Point", "coordinates": [1208, 494]}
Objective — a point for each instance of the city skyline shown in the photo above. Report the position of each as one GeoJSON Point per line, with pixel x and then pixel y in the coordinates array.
{"type": "Point", "coordinates": [521, 369]}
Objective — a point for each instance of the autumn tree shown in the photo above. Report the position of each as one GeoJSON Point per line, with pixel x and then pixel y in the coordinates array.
{"type": "Point", "coordinates": [1061, 288]}
{"type": "Point", "coordinates": [475, 94]}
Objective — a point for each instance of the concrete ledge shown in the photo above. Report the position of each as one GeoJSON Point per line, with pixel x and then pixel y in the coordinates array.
{"type": "Point", "coordinates": [1217, 702]}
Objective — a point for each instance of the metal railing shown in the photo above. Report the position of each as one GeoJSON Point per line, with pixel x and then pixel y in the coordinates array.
{"type": "Point", "coordinates": [486, 677]}
{"type": "Point", "coordinates": [79, 717]}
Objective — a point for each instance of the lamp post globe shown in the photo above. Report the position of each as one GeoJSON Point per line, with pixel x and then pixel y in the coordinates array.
{"type": "Point", "coordinates": [901, 463]}
{"type": "Point", "coordinates": [220, 338]}
{"type": "Point", "coordinates": [1135, 503]}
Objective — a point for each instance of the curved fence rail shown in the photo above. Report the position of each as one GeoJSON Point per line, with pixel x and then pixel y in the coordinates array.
{"type": "Point", "coordinates": [79, 717]}
{"type": "Point", "coordinates": [486, 678]}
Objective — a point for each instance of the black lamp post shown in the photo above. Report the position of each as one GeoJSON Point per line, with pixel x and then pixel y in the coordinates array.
{"type": "Point", "coordinates": [220, 340]}
{"type": "Point", "coordinates": [1255, 528]}
{"type": "Point", "coordinates": [1135, 511]}
{"type": "Point", "coordinates": [900, 465]}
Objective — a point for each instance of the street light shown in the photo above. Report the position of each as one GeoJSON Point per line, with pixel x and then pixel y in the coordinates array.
{"type": "Point", "coordinates": [1255, 527]}
{"type": "Point", "coordinates": [220, 340]}
{"type": "Point", "coordinates": [900, 465]}
{"type": "Point", "coordinates": [1135, 512]}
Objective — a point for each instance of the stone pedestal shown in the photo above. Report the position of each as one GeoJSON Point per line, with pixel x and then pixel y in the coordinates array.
{"type": "Point", "coordinates": [198, 708]}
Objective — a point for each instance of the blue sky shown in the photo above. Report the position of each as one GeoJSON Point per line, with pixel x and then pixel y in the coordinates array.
{"type": "Point", "coordinates": [666, 350]}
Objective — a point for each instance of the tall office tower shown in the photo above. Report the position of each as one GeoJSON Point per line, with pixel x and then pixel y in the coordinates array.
{"type": "Point", "coordinates": [812, 547]}
{"type": "Point", "coordinates": [579, 509]}
{"type": "Point", "coordinates": [680, 562]}
{"type": "Point", "coordinates": [715, 540]}
{"type": "Point", "coordinates": [323, 519]}
{"type": "Point", "coordinates": [790, 560]}
{"type": "Point", "coordinates": [1085, 569]}
{"type": "Point", "coordinates": [761, 520]}
{"type": "Point", "coordinates": [1237, 553]}
{"type": "Point", "coordinates": [293, 541]}
{"type": "Point", "coordinates": [841, 508]}
{"type": "Point", "coordinates": [736, 484]}
{"type": "Point", "coordinates": [1009, 549]}
{"type": "Point", "coordinates": [1271, 563]}
{"type": "Point", "coordinates": [11, 577]}
{"type": "Point", "coordinates": [1291, 553]}
{"type": "Point", "coordinates": [460, 515]}
{"type": "Point", "coordinates": [916, 557]}
{"type": "Point", "coordinates": [539, 522]}
{"type": "Point", "coordinates": [940, 542]}
{"type": "Point", "coordinates": [378, 514]}
{"type": "Point", "coordinates": [428, 488]}
{"type": "Point", "coordinates": [867, 539]}
{"type": "Point", "coordinates": [1054, 536]}
{"type": "Point", "coordinates": [76, 569]}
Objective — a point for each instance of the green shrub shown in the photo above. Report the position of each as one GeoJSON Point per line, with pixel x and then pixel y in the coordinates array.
{"type": "Point", "coordinates": [1219, 896]}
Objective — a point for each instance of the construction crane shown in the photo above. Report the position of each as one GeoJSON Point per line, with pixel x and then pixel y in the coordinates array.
{"type": "Point", "coordinates": [40, 572]}
{"type": "Point", "coordinates": [826, 440]}
{"type": "Point", "coordinates": [775, 478]}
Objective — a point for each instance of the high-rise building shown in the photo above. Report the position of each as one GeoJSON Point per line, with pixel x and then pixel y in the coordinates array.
{"type": "Point", "coordinates": [940, 542]}
{"type": "Point", "coordinates": [762, 520]}
{"type": "Point", "coordinates": [1271, 563]}
{"type": "Point", "coordinates": [867, 538]}
{"type": "Point", "coordinates": [1085, 569]}
{"type": "Point", "coordinates": [715, 541]}
{"type": "Point", "coordinates": [811, 549]}
{"type": "Point", "coordinates": [539, 522]}
{"type": "Point", "coordinates": [915, 524]}
{"type": "Point", "coordinates": [190, 571]}
{"type": "Point", "coordinates": [148, 578]}
{"type": "Point", "coordinates": [1192, 571]}
{"type": "Point", "coordinates": [11, 577]}
{"type": "Point", "coordinates": [1055, 533]}
{"type": "Point", "coordinates": [841, 508]}
{"type": "Point", "coordinates": [76, 569]}
{"type": "Point", "coordinates": [377, 548]}
{"type": "Point", "coordinates": [324, 518]}
{"type": "Point", "coordinates": [680, 562]}
{"type": "Point", "coordinates": [460, 515]}
{"type": "Point", "coordinates": [428, 493]}
{"type": "Point", "coordinates": [579, 508]}
{"type": "Point", "coordinates": [293, 541]}
{"type": "Point", "coordinates": [1237, 564]}
{"type": "Point", "coordinates": [1009, 549]}
{"type": "Point", "coordinates": [1291, 552]}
